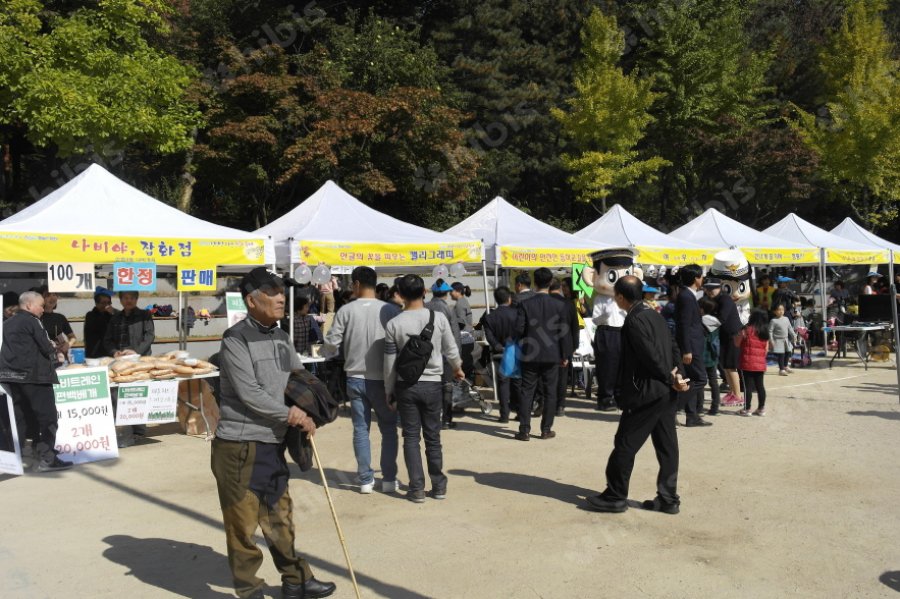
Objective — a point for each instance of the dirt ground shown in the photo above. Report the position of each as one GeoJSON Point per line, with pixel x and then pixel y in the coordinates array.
{"type": "Point", "coordinates": [802, 503]}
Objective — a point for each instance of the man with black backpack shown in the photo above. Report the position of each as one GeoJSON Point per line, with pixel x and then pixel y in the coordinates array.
{"type": "Point", "coordinates": [415, 345]}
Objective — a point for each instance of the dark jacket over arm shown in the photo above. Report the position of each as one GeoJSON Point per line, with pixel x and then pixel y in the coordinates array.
{"type": "Point", "coordinates": [27, 352]}
{"type": "Point", "coordinates": [499, 327]}
{"type": "Point", "coordinates": [649, 353]}
{"type": "Point", "coordinates": [543, 329]}
{"type": "Point", "coordinates": [688, 325]}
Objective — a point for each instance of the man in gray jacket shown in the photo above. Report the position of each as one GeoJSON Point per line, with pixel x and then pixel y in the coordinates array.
{"type": "Point", "coordinates": [247, 460]}
{"type": "Point", "coordinates": [419, 401]}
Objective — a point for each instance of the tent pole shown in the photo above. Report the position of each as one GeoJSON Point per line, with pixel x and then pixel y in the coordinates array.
{"type": "Point", "coordinates": [291, 307]}
{"type": "Point", "coordinates": [823, 273]}
{"type": "Point", "coordinates": [180, 322]}
{"type": "Point", "coordinates": [894, 292]}
{"type": "Point", "coordinates": [487, 309]}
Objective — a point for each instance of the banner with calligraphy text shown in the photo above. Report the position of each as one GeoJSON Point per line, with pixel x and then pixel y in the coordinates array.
{"type": "Point", "coordinates": [106, 249]}
{"type": "Point", "coordinates": [86, 430]}
{"type": "Point", "coordinates": [385, 254]}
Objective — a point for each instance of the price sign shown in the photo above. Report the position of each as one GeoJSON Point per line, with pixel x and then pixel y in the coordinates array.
{"type": "Point", "coordinates": [151, 402]}
{"type": "Point", "coordinates": [194, 278]}
{"type": "Point", "coordinates": [87, 432]}
{"type": "Point", "coordinates": [70, 277]}
{"type": "Point", "coordinates": [235, 308]}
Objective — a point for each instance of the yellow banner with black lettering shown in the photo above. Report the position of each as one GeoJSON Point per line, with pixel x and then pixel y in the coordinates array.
{"type": "Point", "coordinates": [673, 257]}
{"type": "Point", "coordinates": [107, 249]}
{"type": "Point", "coordinates": [522, 257]}
{"type": "Point", "coordinates": [759, 256]}
{"type": "Point", "coordinates": [856, 257]}
{"type": "Point", "coordinates": [338, 253]}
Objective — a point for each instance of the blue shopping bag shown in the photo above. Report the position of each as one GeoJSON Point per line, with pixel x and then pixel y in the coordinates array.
{"type": "Point", "coordinates": [511, 362]}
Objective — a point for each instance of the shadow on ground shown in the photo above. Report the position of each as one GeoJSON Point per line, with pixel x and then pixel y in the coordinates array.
{"type": "Point", "coordinates": [531, 485]}
{"type": "Point", "coordinates": [891, 580]}
{"type": "Point", "coordinates": [876, 413]}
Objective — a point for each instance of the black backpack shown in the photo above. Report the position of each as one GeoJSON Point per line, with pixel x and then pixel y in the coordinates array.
{"type": "Point", "coordinates": [413, 358]}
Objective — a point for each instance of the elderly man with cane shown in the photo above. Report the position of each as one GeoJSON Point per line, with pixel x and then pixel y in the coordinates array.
{"type": "Point", "coordinates": [248, 460]}
{"type": "Point", "coordinates": [649, 375]}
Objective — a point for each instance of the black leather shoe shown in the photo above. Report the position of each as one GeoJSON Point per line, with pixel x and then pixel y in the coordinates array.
{"type": "Point", "coordinates": [658, 505]}
{"type": "Point", "coordinates": [53, 466]}
{"type": "Point", "coordinates": [599, 503]}
{"type": "Point", "coordinates": [548, 434]}
{"type": "Point", "coordinates": [697, 422]}
{"type": "Point", "coordinates": [503, 420]}
{"type": "Point", "coordinates": [522, 437]}
{"type": "Point", "coordinates": [560, 412]}
{"type": "Point", "coordinates": [311, 589]}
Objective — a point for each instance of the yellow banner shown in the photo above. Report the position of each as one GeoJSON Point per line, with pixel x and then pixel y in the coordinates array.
{"type": "Point", "coordinates": [196, 278]}
{"type": "Point", "coordinates": [856, 257]}
{"type": "Point", "coordinates": [673, 257]}
{"type": "Point", "coordinates": [334, 253]}
{"type": "Point", "coordinates": [758, 256]}
{"type": "Point", "coordinates": [49, 247]}
{"type": "Point", "coordinates": [520, 257]}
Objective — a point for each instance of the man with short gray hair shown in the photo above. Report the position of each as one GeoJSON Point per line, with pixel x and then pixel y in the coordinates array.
{"type": "Point", "coordinates": [27, 371]}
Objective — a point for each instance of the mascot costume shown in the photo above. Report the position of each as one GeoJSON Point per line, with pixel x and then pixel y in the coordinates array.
{"type": "Point", "coordinates": [734, 310]}
{"type": "Point", "coordinates": [609, 266]}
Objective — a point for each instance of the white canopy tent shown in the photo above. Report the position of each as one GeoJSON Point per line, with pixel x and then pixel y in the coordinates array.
{"type": "Point", "coordinates": [618, 227]}
{"type": "Point", "coordinates": [832, 248]}
{"type": "Point", "coordinates": [849, 229]}
{"type": "Point", "coordinates": [99, 218]}
{"type": "Point", "coordinates": [334, 228]}
{"type": "Point", "coordinates": [714, 229]}
{"type": "Point", "coordinates": [513, 239]}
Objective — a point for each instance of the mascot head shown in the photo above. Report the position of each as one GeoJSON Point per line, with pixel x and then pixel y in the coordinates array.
{"type": "Point", "coordinates": [609, 266]}
{"type": "Point", "coordinates": [732, 267]}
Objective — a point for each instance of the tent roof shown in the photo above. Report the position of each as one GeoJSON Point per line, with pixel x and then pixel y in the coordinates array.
{"type": "Point", "coordinates": [332, 215]}
{"type": "Point", "coordinates": [97, 206]}
{"type": "Point", "coordinates": [795, 229]}
{"type": "Point", "coordinates": [99, 203]}
{"type": "Point", "coordinates": [621, 228]}
{"type": "Point", "coordinates": [499, 224]}
{"type": "Point", "coordinates": [849, 229]}
{"type": "Point", "coordinates": [714, 229]}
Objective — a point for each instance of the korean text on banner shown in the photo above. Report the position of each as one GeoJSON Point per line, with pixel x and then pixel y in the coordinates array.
{"type": "Point", "coordinates": [196, 278]}
{"type": "Point", "coordinates": [388, 254]}
{"type": "Point", "coordinates": [761, 256]}
{"type": "Point", "coordinates": [70, 277]}
{"type": "Point", "coordinates": [519, 257]}
{"type": "Point", "coordinates": [101, 249]}
{"type": "Point", "coordinates": [235, 308]}
{"type": "Point", "coordinates": [150, 402]}
{"type": "Point", "coordinates": [134, 276]}
{"type": "Point", "coordinates": [86, 431]}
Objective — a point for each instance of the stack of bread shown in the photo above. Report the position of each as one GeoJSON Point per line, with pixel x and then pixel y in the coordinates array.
{"type": "Point", "coordinates": [172, 365]}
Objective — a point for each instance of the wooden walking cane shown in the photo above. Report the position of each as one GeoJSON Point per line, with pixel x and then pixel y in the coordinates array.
{"type": "Point", "coordinates": [334, 516]}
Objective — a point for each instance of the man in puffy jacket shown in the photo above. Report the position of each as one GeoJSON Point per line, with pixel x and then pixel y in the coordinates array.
{"type": "Point", "coordinates": [26, 370]}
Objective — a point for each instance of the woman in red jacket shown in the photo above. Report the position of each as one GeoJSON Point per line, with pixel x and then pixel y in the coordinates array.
{"type": "Point", "coordinates": [754, 344]}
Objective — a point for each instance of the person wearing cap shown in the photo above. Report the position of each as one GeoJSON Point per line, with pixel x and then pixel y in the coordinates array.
{"type": "Point", "coordinates": [96, 321]}
{"type": "Point", "coordinates": [650, 294]}
{"type": "Point", "coordinates": [871, 282]}
{"type": "Point", "coordinates": [783, 296]}
{"type": "Point", "coordinates": [712, 287]}
{"type": "Point", "coordinates": [256, 359]}
{"type": "Point", "coordinates": [438, 303]}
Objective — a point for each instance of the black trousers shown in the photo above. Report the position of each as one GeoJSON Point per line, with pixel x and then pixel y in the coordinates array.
{"type": "Point", "coordinates": [39, 402]}
{"type": "Point", "coordinates": [607, 353]}
{"type": "Point", "coordinates": [562, 384]}
{"type": "Point", "coordinates": [713, 376]}
{"type": "Point", "coordinates": [692, 400]}
{"type": "Point", "coordinates": [419, 406]}
{"type": "Point", "coordinates": [504, 386]}
{"type": "Point", "coordinates": [657, 421]}
{"type": "Point", "coordinates": [468, 361]}
{"type": "Point", "coordinates": [447, 393]}
{"type": "Point", "coordinates": [753, 381]}
{"type": "Point", "coordinates": [536, 375]}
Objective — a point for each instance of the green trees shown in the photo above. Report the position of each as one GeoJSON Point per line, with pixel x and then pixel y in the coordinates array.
{"type": "Point", "coordinates": [857, 133]}
{"type": "Point", "coordinates": [607, 117]}
{"type": "Point", "coordinates": [90, 78]}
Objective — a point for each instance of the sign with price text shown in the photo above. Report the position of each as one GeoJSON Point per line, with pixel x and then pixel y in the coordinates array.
{"type": "Point", "coordinates": [134, 276]}
{"type": "Point", "coordinates": [196, 278]}
{"type": "Point", "coordinates": [86, 431]}
{"type": "Point", "coordinates": [150, 402]}
{"type": "Point", "coordinates": [70, 277]}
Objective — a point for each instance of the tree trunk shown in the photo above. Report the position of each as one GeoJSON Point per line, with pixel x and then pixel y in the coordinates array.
{"type": "Point", "coordinates": [186, 197]}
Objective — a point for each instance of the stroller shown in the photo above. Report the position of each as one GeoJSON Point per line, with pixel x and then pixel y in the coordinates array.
{"type": "Point", "coordinates": [465, 395]}
{"type": "Point", "coordinates": [805, 358]}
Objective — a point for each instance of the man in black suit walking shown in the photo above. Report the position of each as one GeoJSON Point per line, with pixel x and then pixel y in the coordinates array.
{"type": "Point", "coordinates": [648, 377]}
{"type": "Point", "coordinates": [574, 331]}
{"type": "Point", "coordinates": [691, 337]}
{"type": "Point", "coordinates": [499, 329]}
{"type": "Point", "coordinates": [542, 326]}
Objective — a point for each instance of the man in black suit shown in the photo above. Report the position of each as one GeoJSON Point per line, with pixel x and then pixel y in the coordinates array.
{"type": "Point", "coordinates": [523, 288]}
{"type": "Point", "coordinates": [499, 329]}
{"type": "Point", "coordinates": [558, 293]}
{"type": "Point", "coordinates": [691, 337]}
{"type": "Point", "coordinates": [648, 377]}
{"type": "Point", "coordinates": [542, 326]}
